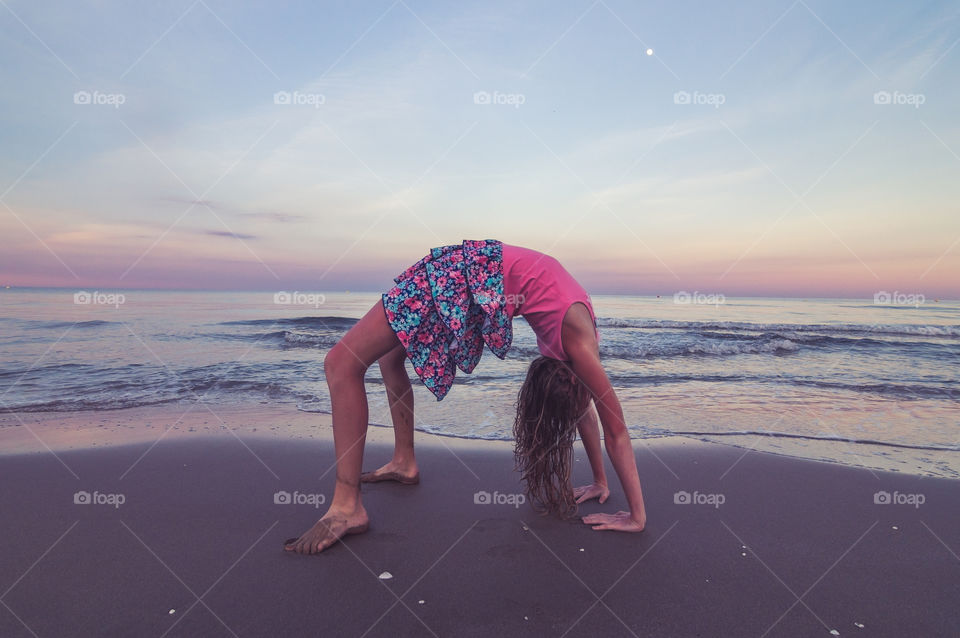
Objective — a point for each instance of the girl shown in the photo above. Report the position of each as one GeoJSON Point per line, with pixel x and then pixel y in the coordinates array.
{"type": "Point", "coordinates": [440, 314]}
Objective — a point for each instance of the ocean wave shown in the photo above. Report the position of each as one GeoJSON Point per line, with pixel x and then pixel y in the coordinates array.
{"type": "Point", "coordinates": [774, 346]}
{"type": "Point", "coordinates": [40, 371]}
{"type": "Point", "coordinates": [790, 435]}
{"type": "Point", "coordinates": [890, 390]}
{"type": "Point", "coordinates": [334, 323]}
{"type": "Point", "coordinates": [94, 323]}
{"type": "Point", "coordinates": [285, 338]}
{"type": "Point", "coordinates": [308, 340]}
{"type": "Point", "coordinates": [905, 391]}
{"type": "Point", "coordinates": [912, 330]}
{"type": "Point", "coordinates": [86, 404]}
{"type": "Point", "coordinates": [75, 387]}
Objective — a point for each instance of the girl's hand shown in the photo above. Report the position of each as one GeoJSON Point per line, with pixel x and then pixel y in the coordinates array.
{"type": "Point", "coordinates": [587, 492]}
{"type": "Point", "coordinates": [620, 522]}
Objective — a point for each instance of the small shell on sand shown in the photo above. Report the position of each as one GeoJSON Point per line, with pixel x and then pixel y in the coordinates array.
{"type": "Point", "coordinates": [385, 576]}
{"type": "Point", "coordinates": [172, 611]}
{"type": "Point", "coordinates": [834, 632]}
{"type": "Point", "coordinates": [420, 602]}
{"type": "Point", "coordinates": [859, 624]}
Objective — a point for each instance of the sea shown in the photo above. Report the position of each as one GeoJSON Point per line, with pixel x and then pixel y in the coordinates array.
{"type": "Point", "coordinates": [800, 376]}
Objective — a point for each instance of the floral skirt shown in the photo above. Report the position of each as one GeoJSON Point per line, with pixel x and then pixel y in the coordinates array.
{"type": "Point", "coordinates": [445, 307]}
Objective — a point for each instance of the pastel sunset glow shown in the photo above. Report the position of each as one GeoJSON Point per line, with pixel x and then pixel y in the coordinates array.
{"type": "Point", "coordinates": [768, 149]}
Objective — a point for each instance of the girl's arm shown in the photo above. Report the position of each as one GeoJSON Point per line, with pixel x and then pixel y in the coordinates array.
{"type": "Point", "coordinates": [589, 429]}
{"type": "Point", "coordinates": [580, 344]}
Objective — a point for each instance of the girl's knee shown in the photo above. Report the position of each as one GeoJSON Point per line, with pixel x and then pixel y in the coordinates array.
{"type": "Point", "coordinates": [340, 362]}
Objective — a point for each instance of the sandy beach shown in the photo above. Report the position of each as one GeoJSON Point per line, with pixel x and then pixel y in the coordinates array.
{"type": "Point", "coordinates": [727, 230]}
{"type": "Point", "coordinates": [181, 535]}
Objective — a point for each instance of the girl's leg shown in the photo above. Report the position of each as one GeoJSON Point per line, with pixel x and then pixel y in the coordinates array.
{"type": "Point", "coordinates": [345, 366]}
{"type": "Point", "coordinates": [403, 467]}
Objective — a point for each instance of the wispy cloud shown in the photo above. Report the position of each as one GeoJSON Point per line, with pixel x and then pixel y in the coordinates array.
{"type": "Point", "coordinates": [225, 233]}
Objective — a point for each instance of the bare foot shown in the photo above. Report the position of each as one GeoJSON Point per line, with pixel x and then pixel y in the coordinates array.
{"type": "Point", "coordinates": [327, 531]}
{"type": "Point", "coordinates": [393, 471]}
{"type": "Point", "coordinates": [621, 521]}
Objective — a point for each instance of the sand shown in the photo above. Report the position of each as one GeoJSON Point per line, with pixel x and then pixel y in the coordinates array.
{"type": "Point", "coordinates": [185, 540]}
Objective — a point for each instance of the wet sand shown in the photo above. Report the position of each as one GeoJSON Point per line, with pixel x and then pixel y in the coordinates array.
{"type": "Point", "coordinates": [766, 545]}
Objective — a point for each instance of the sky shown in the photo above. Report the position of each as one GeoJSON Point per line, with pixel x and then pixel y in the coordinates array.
{"type": "Point", "coordinates": [777, 148]}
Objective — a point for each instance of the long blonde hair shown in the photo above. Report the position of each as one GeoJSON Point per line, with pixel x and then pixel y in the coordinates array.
{"type": "Point", "coordinates": [549, 404]}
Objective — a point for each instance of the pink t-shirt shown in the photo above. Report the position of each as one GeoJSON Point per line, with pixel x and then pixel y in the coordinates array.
{"type": "Point", "coordinates": [540, 290]}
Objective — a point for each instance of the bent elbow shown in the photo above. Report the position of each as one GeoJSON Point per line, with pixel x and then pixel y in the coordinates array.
{"type": "Point", "coordinates": [616, 436]}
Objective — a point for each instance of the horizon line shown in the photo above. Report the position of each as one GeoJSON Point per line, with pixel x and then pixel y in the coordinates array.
{"type": "Point", "coordinates": [364, 292]}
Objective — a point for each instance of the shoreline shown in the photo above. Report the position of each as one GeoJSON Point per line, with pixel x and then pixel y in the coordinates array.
{"type": "Point", "coordinates": [97, 429]}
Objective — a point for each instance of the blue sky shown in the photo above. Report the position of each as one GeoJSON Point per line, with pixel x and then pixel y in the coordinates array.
{"type": "Point", "coordinates": [747, 155]}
